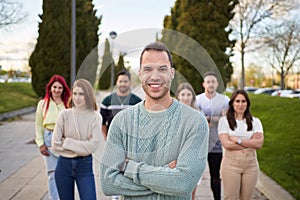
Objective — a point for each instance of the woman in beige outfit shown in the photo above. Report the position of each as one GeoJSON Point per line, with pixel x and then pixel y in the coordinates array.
{"type": "Point", "coordinates": [240, 134]}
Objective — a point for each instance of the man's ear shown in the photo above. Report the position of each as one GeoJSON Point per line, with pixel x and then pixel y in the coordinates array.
{"type": "Point", "coordinates": [172, 73]}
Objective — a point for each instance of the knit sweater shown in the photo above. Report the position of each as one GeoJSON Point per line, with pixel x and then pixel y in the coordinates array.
{"type": "Point", "coordinates": [151, 140]}
{"type": "Point", "coordinates": [77, 133]}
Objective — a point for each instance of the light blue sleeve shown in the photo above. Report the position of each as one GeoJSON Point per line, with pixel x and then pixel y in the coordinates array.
{"type": "Point", "coordinates": [191, 163]}
{"type": "Point", "coordinates": [112, 181]}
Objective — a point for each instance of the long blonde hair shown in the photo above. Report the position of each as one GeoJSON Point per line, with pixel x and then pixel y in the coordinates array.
{"type": "Point", "coordinates": [89, 94]}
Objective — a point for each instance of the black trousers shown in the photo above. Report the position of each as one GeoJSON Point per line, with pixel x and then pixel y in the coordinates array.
{"type": "Point", "coordinates": [214, 163]}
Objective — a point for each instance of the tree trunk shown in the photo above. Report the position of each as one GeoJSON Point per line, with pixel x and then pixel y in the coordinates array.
{"type": "Point", "coordinates": [282, 86]}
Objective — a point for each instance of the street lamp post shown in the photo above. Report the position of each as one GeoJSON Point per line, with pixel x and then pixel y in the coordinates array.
{"type": "Point", "coordinates": [73, 42]}
{"type": "Point", "coordinates": [112, 35]}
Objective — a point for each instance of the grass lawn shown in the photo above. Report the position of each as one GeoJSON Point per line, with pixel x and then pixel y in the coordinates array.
{"type": "Point", "coordinates": [279, 157]}
{"type": "Point", "coordinates": [16, 95]}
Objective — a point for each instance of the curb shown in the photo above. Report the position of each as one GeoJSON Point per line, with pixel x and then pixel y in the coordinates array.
{"type": "Point", "coordinates": [271, 189]}
{"type": "Point", "coordinates": [15, 113]}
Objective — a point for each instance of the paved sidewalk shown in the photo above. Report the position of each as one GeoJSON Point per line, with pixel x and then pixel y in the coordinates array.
{"type": "Point", "coordinates": [22, 167]}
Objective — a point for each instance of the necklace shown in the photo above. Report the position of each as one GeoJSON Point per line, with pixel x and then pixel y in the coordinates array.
{"type": "Point", "coordinates": [122, 102]}
{"type": "Point", "coordinates": [57, 100]}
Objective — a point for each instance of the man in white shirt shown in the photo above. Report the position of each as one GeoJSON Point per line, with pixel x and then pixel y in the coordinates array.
{"type": "Point", "coordinates": [214, 105]}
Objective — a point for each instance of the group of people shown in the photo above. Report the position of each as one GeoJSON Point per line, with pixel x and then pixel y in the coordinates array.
{"type": "Point", "coordinates": [232, 128]}
{"type": "Point", "coordinates": [156, 148]}
{"type": "Point", "coordinates": [68, 137]}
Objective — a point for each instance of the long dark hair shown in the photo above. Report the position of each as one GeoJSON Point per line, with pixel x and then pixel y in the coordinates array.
{"type": "Point", "coordinates": [231, 112]}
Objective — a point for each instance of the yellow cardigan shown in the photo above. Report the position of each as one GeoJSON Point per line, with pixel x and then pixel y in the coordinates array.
{"type": "Point", "coordinates": [48, 121]}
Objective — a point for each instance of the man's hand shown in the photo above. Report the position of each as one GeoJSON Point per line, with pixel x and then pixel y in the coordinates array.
{"type": "Point", "coordinates": [44, 150]}
{"type": "Point", "coordinates": [172, 164]}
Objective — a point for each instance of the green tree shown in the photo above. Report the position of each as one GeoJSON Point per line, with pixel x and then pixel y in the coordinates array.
{"type": "Point", "coordinates": [52, 51]}
{"type": "Point", "coordinates": [105, 71]}
{"type": "Point", "coordinates": [207, 23]}
{"type": "Point", "coordinates": [120, 65]}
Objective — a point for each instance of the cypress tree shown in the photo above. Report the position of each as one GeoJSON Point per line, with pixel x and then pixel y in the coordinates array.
{"type": "Point", "coordinates": [121, 65]}
{"type": "Point", "coordinates": [205, 21]}
{"type": "Point", "coordinates": [52, 51]}
{"type": "Point", "coordinates": [105, 71]}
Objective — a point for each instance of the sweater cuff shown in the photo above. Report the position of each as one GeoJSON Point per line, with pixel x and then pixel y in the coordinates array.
{"type": "Point", "coordinates": [67, 143]}
{"type": "Point", "coordinates": [131, 171]}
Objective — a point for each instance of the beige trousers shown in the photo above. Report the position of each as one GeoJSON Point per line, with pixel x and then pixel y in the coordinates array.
{"type": "Point", "coordinates": [239, 172]}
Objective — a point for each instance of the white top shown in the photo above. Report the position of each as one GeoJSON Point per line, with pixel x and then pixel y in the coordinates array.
{"type": "Point", "coordinates": [213, 107]}
{"type": "Point", "coordinates": [241, 129]}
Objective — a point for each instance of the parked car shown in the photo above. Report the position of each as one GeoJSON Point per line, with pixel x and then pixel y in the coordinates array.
{"type": "Point", "coordinates": [292, 94]}
{"type": "Point", "coordinates": [268, 91]}
{"type": "Point", "coordinates": [250, 89]}
{"type": "Point", "coordinates": [281, 92]}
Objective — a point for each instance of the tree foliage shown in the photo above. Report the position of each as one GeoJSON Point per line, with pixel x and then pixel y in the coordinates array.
{"type": "Point", "coordinates": [206, 22]}
{"type": "Point", "coordinates": [52, 51]}
{"type": "Point", "coordinates": [121, 65]}
{"type": "Point", "coordinates": [105, 70]}
{"type": "Point", "coordinates": [11, 13]}
{"type": "Point", "coordinates": [250, 16]}
{"type": "Point", "coordinates": [283, 40]}
{"type": "Point", "coordinates": [107, 63]}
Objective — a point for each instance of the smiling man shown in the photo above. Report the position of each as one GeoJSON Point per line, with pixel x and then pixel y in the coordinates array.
{"type": "Point", "coordinates": [214, 105]}
{"type": "Point", "coordinates": [156, 149]}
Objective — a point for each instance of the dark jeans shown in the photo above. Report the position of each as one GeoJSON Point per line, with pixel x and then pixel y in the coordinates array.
{"type": "Point", "coordinates": [79, 170]}
{"type": "Point", "coordinates": [214, 163]}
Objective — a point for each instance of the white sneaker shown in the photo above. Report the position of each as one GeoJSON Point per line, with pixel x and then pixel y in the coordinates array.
{"type": "Point", "coordinates": [115, 197]}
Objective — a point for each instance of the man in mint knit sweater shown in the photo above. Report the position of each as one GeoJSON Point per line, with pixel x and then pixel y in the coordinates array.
{"type": "Point", "coordinates": [156, 149]}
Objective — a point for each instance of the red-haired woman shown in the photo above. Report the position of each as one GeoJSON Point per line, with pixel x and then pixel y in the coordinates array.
{"type": "Point", "coordinates": [56, 99]}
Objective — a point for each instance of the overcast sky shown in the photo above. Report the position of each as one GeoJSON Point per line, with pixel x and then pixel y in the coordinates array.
{"type": "Point", "coordinates": [17, 42]}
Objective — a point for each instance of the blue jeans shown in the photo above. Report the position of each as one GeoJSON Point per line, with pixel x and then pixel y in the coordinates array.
{"type": "Point", "coordinates": [50, 162]}
{"type": "Point", "coordinates": [79, 170]}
